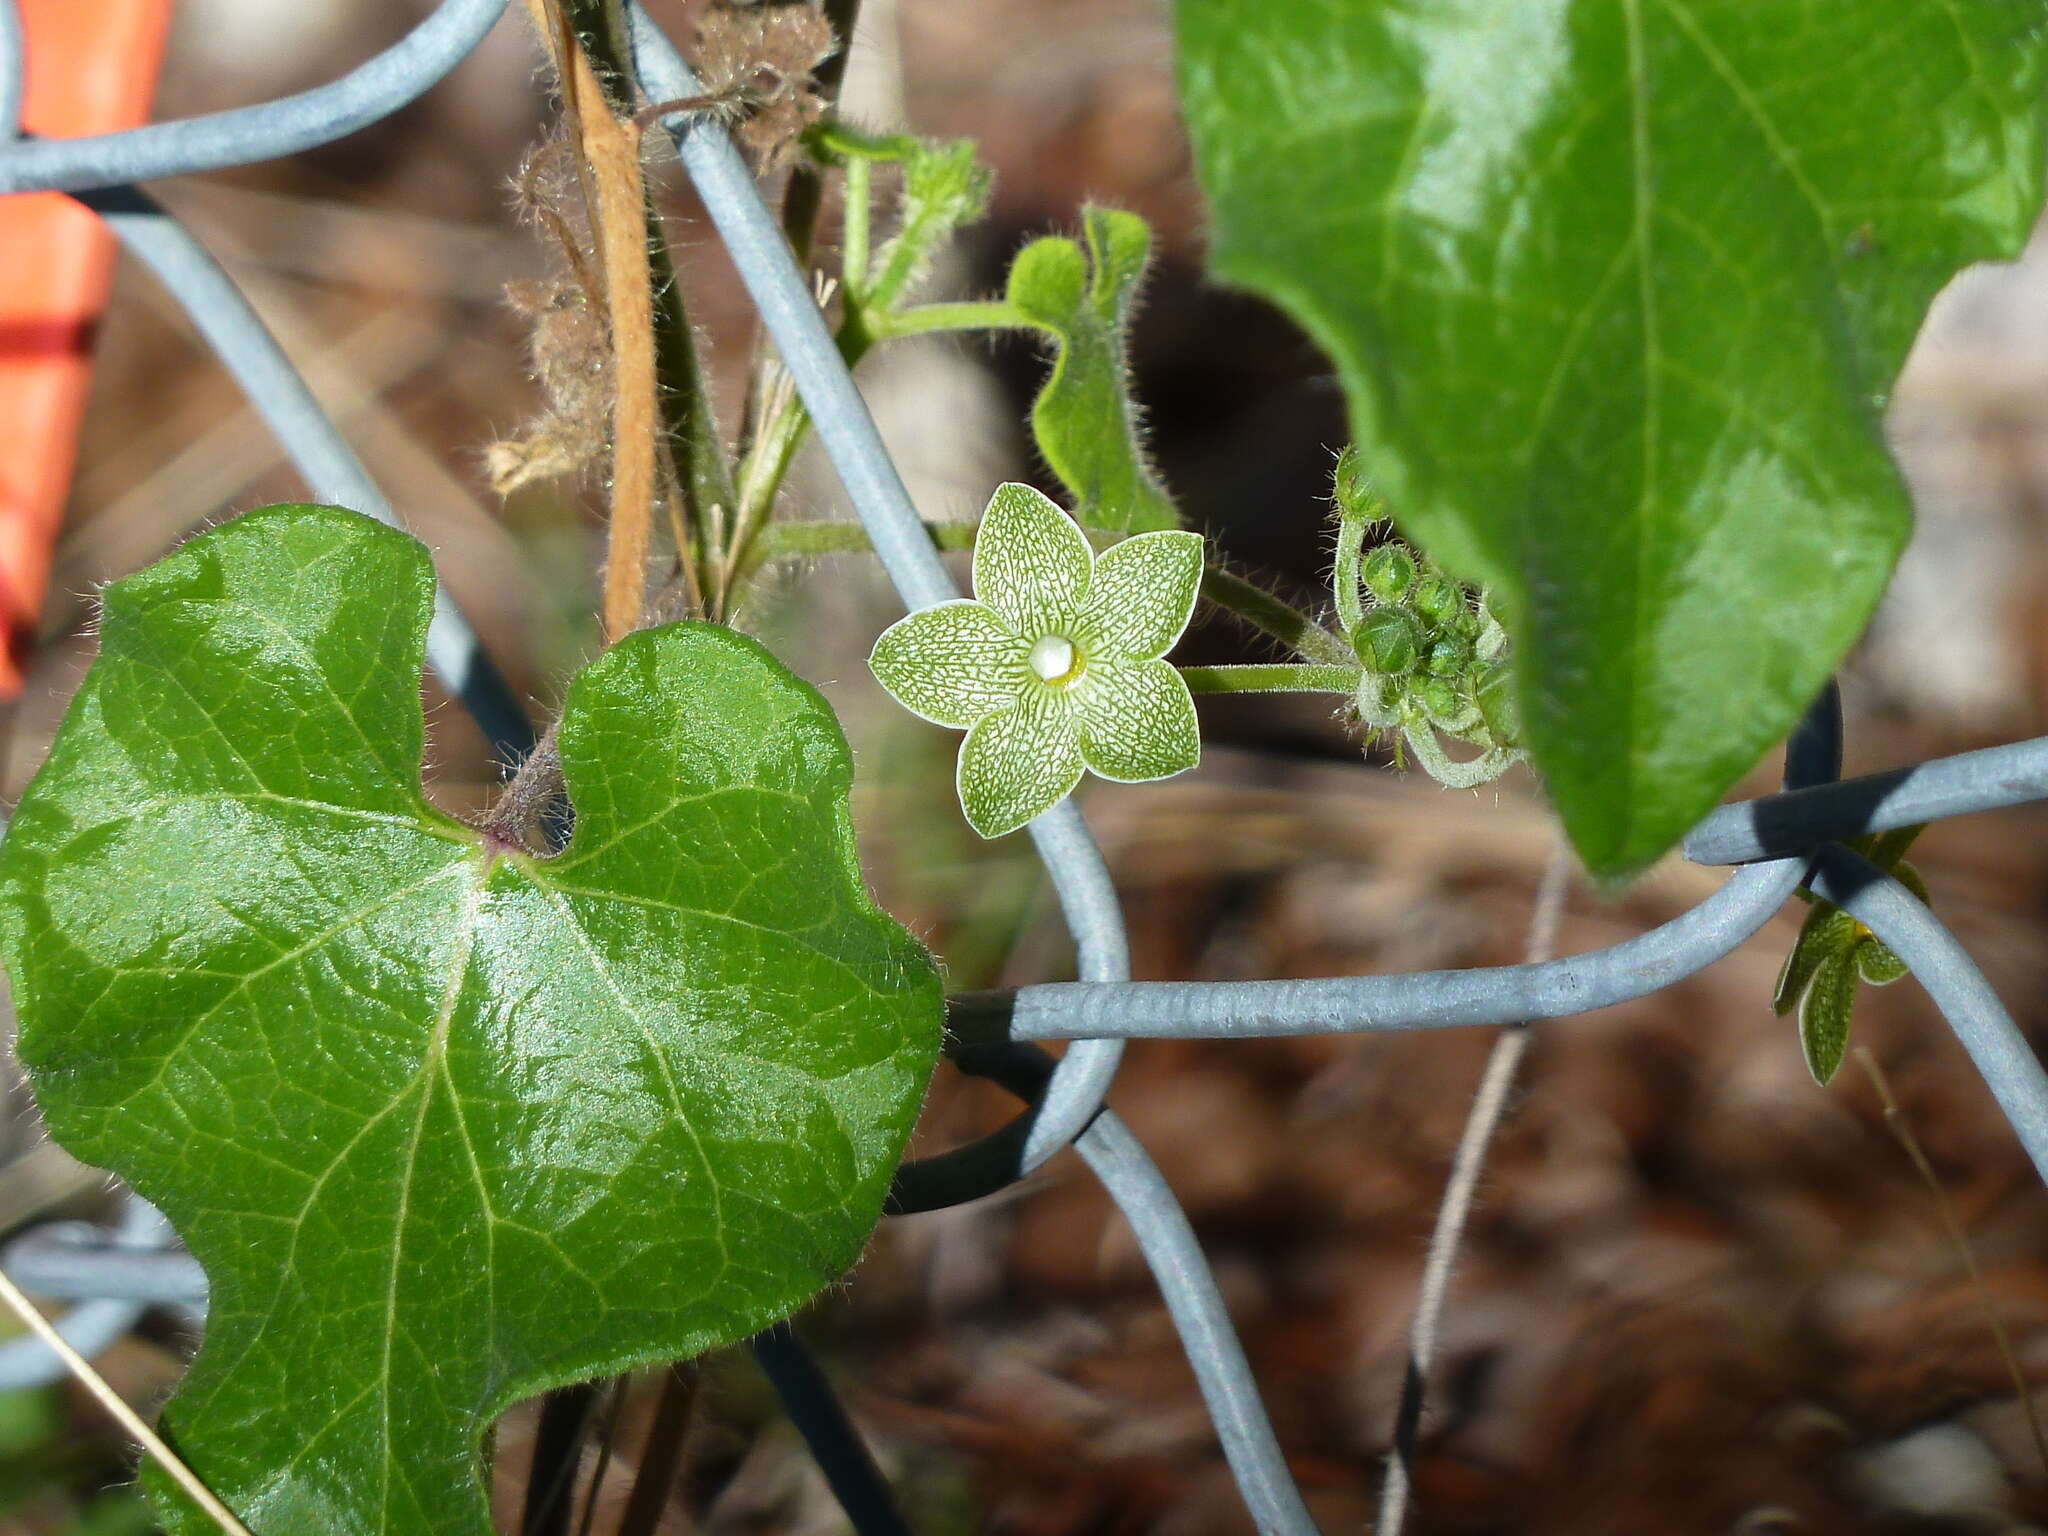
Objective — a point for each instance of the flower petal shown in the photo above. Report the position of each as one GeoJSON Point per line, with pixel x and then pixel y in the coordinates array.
{"type": "Point", "coordinates": [1143, 594]}
{"type": "Point", "coordinates": [1018, 762]}
{"type": "Point", "coordinates": [951, 663]}
{"type": "Point", "coordinates": [1877, 964]}
{"type": "Point", "coordinates": [1824, 1016]}
{"type": "Point", "coordinates": [1031, 561]}
{"type": "Point", "coordinates": [1137, 721]}
{"type": "Point", "coordinates": [1827, 935]}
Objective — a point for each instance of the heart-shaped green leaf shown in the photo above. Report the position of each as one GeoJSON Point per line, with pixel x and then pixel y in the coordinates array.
{"type": "Point", "coordinates": [1617, 289]}
{"type": "Point", "coordinates": [446, 1124]}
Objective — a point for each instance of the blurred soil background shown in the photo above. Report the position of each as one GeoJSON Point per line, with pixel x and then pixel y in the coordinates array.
{"type": "Point", "coordinates": [1700, 1294]}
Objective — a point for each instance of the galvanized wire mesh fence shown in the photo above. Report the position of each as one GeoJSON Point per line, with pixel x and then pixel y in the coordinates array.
{"type": "Point", "coordinates": [1779, 842]}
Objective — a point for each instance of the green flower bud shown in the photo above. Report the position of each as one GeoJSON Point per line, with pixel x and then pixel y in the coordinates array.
{"type": "Point", "coordinates": [1388, 641]}
{"type": "Point", "coordinates": [1439, 700]}
{"type": "Point", "coordinates": [1448, 657]}
{"type": "Point", "coordinates": [1353, 488]}
{"type": "Point", "coordinates": [1495, 697]}
{"type": "Point", "coordinates": [1441, 601]}
{"type": "Point", "coordinates": [1388, 572]}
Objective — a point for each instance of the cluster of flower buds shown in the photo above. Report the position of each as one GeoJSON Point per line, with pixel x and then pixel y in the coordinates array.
{"type": "Point", "coordinates": [1435, 657]}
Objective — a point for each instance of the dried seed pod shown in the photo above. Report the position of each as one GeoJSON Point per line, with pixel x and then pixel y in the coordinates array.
{"type": "Point", "coordinates": [759, 57]}
{"type": "Point", "coordinates": [571, 356]}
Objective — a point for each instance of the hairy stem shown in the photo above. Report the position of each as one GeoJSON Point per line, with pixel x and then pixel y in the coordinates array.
{"type": "Point", "coordinates": [663, 397]}
{"type": "Point", "coordinates": [965, 315]}
{"type": "Point", "coordinates": [853, 232]}
{"type": "Point", "coordinates": [1273, 616]}
{"type": "Point", "coordinates": [1350, 541]}
{"type": "Point", "coordinates": [519, 818]}
{"type": "Point", "coordinates": [613, 146]}
{"type": "Point", "coordinates": [617, 198]}
{"type": "Point", "coordinates": [1282, 677]}
{"type": "Point", "coordinates": [795, 541]}
{"type": "Point", "coordinates": [775, 418]}
{"type": "Point", "coordinates": [1448, 771]}
{"type": "Point", "coordinates": [700, 477]}
{"type": "Point", "coordinates": [804, 198]}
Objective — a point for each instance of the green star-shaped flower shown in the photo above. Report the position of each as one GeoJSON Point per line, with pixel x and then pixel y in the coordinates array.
{"type": "Point", "coordinates": [1055, 664]}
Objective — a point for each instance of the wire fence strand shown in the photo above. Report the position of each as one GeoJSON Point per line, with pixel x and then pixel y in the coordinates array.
{"type": "Point", "coordinates": [782, 292]}
{"type": "Point", "coordinates": [368, 94]}
{"type": "Point", "coordinates": [279, 394]}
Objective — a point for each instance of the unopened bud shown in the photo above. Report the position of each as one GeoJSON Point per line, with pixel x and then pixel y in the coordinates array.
{"type": "Point", "coordinates": [1441, 602]}
{"type": "Point", "coordinates": [1388, 572]}
{"type": "Point", "coordinates": [1448, 657]}
{"type": "Point", "coordinates": [1495, 697]}
{"type": "Point", "coordinates": [1388, 641]}
{"type": "Point", "coordinates": [1353, 487]}
{"type": "Point", "coordinates": [1439, 700]}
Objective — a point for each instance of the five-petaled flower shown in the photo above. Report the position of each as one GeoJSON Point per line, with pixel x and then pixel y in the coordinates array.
{"type": "Point", "coordinates": [1055, 664]}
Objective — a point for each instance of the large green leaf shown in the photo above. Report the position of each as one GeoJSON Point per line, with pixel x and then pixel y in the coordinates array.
{"type": "Point", "coordinates": [446, 1124]}
{"type": "Point", "coordinates": [1617, 289]}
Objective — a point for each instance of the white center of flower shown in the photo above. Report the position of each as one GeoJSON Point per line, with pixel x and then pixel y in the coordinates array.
{"type": "Point", "coordinates": [1052, 658]}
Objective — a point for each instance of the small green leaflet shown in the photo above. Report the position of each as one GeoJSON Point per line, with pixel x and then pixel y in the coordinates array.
{"type": "Point", "coordinates": [1084, 420]}
{"type": "Point", "coordinates": [1617, 290]}
{"type": "Point", "coordinates": [447, 1125]}
{"type": "Point", "coordinates": [944, 187]}
{"type": "Point", "coordinates": [1835, 955]}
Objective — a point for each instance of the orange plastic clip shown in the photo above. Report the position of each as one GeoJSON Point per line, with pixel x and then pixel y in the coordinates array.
{"type": "Point", "coordinates": [92, 68]}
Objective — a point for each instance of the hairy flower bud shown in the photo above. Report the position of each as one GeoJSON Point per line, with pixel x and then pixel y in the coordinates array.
{"type": "Point", "coordinates": [1388, 572]}
{"type": "Point", "coordinates": [1448, 657]}
{"type": "Point", "coordinates": [1495, 697]}
{"type": "Point", "coordinates": [1389, 641]}
{"type": "Point", "coordinates": [1441, 602]}
{"type": "Point", "coordinates": [1353, 487]}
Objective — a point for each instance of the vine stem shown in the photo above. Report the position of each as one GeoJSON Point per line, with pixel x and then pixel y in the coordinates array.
{"type": "Point", "coordinates": [618, 198]}
{"type": "Point", "coordinates": [1272, 616]}
{"type": "Point", "coordinates": [773, 411]}
{"type": "Point", "coordinates": [1275, 677]}
{"type": "Point", "coordinates": [966, 315]}
{"type": "Point", "coordinates": [119, 1411]}
{"type": "Point", "coordinates": [1895, 1122]}
{"type": "Point", "coordinates": [796, 541]}
{"type": "Point", "coordinates": [804, 197]}
{"type": "Point", "coordinates": [853, 231]}
{"type": "Point", "coordinates": [782, 418]}
{"type": "Point", "coordinates": [1489, 1106]}
{"type": "Point", "coordinates": [1350, 541]}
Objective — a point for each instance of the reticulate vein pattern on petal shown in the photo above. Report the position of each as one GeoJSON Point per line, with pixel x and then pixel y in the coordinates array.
{"type": "Point", "coordinates": [1054, 665]}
